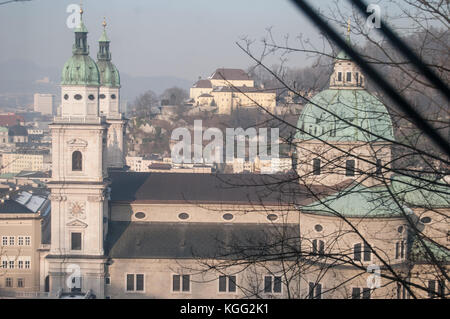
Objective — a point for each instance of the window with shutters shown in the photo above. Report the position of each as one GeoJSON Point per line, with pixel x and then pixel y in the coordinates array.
{"type": "Point", "coordinates": [318, 247]}
{"type": "Point", "coordinates": [227, 283]}
{"type": "Point", "coordinates": [272, 284]}
{"type": "Point", "coordinates": [315, 290]}
{"type": "Point", "coordinates": [181, 283]}
{"type": "Point", "coordinates": [359, 253]}
{"type": "Point", "coordinates": [360, 293]}
{"type": "Point", "coordinates": [135, 282]}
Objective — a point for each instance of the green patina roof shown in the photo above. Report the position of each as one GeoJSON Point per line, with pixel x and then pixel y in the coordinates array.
{"type": "Point", "coordinates": [104, 37]}
{"type": "Point", "coordinates": [356, 106]}
{"type": "Point", "coordinates": [3, 129]}
{"type": "Point", "coordinates": [357, 201]}
{"type": "Point", "coordinates": [80, 70]}
{"type": "Point", "coordinates": [419, 253]}
{"type": "Point", "coordinates": [109, 75]}
{"type": "Point", "coordinates": [343, 56]}
{"type": "Point", "coordinates": [422, 192]}
{"type": "Point", "coordinates": [81, 28]}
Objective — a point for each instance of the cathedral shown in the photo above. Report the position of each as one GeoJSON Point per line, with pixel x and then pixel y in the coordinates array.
{"type": "Point", "coordinates": [121, 234]}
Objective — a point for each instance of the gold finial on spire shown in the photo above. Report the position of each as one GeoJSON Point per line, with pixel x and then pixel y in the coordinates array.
{"type": "Point", "coordinates": [104, 23]}
{"type": "Point", "coordinates": [348, 27]}
{"type": "Point", "coordinates": [81, 8]}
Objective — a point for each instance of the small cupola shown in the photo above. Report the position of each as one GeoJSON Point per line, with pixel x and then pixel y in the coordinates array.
{"type": "Point", "coordinates": [346, 73]}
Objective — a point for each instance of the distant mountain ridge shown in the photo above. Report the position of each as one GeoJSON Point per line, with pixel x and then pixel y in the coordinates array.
{"type": "Point", "coordinates": [26, 77]}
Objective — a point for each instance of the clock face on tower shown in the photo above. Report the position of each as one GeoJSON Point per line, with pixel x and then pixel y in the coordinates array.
{"type": "Point", "coordinates": [76, 210]}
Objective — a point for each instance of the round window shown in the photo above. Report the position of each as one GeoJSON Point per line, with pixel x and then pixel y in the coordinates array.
{"type": "Point", "coordinates": [400, 229]}
{"type": "Point", "coordinates": [139, 215]}
{"type": "Point", "coordinates": [113, 96]}
{"type": "Point", "coordinates": [228, 216]}
{"type": "Point", "coordinates": [318, 227]}
{"type": "Point", "coordinates": [102, 96]}
{"type": "Point", "coordinates": [66, 96]}
{"type": "Point", "coordinates": [91, 97]}
{"type": "Point", "coordinates": [78, 97]}
{"type": "Point", "coordinates": [272, 217]}
{"type": "Point", "coordinates": [425, 220]}
{"type": "Point", "coordinates": [183, 216]}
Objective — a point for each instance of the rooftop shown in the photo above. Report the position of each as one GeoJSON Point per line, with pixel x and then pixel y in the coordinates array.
{"type": "Point", "coordinates": [230, 74]}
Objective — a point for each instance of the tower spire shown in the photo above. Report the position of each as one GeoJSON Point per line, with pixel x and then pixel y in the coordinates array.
{"type": "Point", "coordinates": [104, 53]}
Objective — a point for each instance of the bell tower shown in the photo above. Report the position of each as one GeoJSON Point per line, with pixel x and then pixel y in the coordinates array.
{"type": "Point", "coordinates": [79, 179]}
{"type": "Point", "coordinates": [109, 98]}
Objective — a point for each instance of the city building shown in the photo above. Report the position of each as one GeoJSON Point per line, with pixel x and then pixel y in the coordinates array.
{"type": "Point", "coordinates": [24, 231]}
{"type": "Point", "coordinates": [34, 161]}
{"type": "Point", "coordinates": [45, 103]}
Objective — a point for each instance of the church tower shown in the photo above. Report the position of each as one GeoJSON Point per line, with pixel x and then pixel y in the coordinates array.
{"type": "Point", "coordinates": [109, 98]}
{"type": "Point", "coordinates": [79, 184]}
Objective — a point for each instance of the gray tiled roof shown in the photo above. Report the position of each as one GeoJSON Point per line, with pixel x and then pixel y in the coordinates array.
{"type": "Point", "coordinates": [252, 189]}
{"type": "Point", "coordinates": [230, 74]}
{"type": "Point", "coordinates": [200, 240]}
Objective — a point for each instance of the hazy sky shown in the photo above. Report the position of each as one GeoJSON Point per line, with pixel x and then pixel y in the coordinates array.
{"type": "Point", "coordinates": [184, 38]}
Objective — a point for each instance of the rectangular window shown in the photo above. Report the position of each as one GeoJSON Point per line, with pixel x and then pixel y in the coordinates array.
{"type": "Point", "coordinates": [316, 166]}
{"type": "Point", "coordinates": [356, 293]}
{"type": "Point", "coordinates": [339, 76]}
{"type": "Point", "coordinates": [357, 78]}
{"type": "Point", "coordinates": [431, 288]}
{"type": "Point", "coordinates": [367, 253]}
{"type": "Point", "coordinates": [20, 241]}
{"type": "Point", "coordinates": [5, 240]}
{"type": "Point", "coordinates": [139, 282]}
{"type": "Point", "coordinates": [402, 249]}
{"type": "Point", "coordinates": [130, 282]}
{"type": "Point", "coordinates": [27, 264]}
{"type": "Point", "coordinates": [378, 167]}
{"type": "Point", "coordinates": [107, 280]}
{"type": "Point", "coordinates": [350, 168]}
{"type": "Point", "coordinates": [20, 283]}
{"type": "Point", "coordinates": [27, 240]}
{"type": "Point", "coordinates": [223, 280]}
{"type": "Point", "coordinates": [176, 282]}
{"type": "Point", "coordinates": [268, 284]}
{"type": "Point", "coordinates": [11, 264]}
{"type": "Point", "coordinates": [349, 76]}
{"type": "Point", "coordinates": [181, 283]}
{"type": "Point", "coordinates": [76, 241]}
{"type": "Point", "coordinates": [11, 241]}
{"type": "Point", "coordinates": [357, 252]}
{"type": "Point", "coordinates": [277, 284]}
{"type": "Point", "coordinates": [366, 293]}
{"type": "Point", "coordinates": [186, 283]}
{"type": "Point", "coordinates": [9, 282]}
{"type": "Point", "coordinates": [20, 264]}
{"type": "Point", "coordinates": [4, 264]}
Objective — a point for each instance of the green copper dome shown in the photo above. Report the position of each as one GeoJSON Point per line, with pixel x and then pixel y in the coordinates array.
{"type": "Point", "coordinates": [109, 75]}
{"type": "Point", "coordinates": [80, 69]}
{"type": "Point", "coordinates": [355, 106]}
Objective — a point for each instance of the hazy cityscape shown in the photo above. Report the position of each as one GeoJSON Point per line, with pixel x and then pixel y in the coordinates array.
{"type": "Point", "coordinates": [164, 151]}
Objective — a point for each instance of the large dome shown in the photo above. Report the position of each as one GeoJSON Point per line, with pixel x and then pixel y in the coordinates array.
{"type": "Point", "coordinates": [80, 70]}
{"type": "Point", "coordinates": [368, 118]}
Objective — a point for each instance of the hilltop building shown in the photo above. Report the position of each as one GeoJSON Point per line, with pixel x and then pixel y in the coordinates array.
{"type": "Point", "coordinates": [228, 89]}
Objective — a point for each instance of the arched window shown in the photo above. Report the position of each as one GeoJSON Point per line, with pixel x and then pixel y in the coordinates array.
{"type": "Point", "coordinates": [77, 160]}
